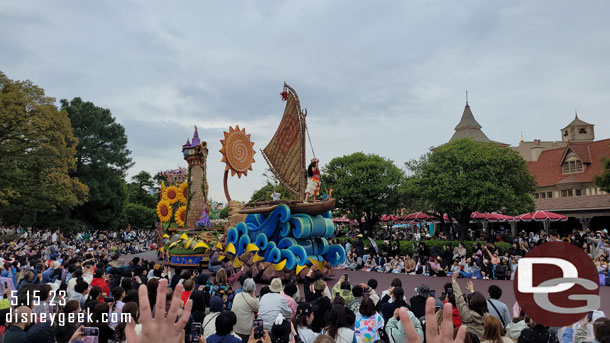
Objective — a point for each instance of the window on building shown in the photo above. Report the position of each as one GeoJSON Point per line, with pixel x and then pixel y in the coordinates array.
{"type": "Point", "coordinates": [582, 130]}
{"type": "Point", "coordinates": [578, 192]}
{"type": "Point", "coordinates": [566, 193]}
{"type": "Point", "coordinates": [536, 195]}
{"type": "Point", "coordinates": [549, 194]}
{"type": "Point", "coordinates": [542, 195]}
{"type": "Point", "coordinates": [574, 166]}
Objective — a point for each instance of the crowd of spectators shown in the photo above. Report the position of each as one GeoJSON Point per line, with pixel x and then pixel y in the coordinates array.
{"type": "Point", "coordinates": [483, 261]}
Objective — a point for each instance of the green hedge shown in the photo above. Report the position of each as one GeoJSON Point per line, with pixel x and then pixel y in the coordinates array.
{"type": "Point", "coordinates": [407, 247]}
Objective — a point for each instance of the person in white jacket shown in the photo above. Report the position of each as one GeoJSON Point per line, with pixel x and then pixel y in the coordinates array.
{"type": "Point", "coordinates": [395, 331]}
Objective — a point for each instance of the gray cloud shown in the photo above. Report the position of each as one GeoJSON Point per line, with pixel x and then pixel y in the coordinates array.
{"type": "Point", "coordinates": [379, 77]}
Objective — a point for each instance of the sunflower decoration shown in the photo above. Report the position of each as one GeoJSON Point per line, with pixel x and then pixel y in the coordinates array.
{"type": "Point", "coordinates": [164, 211]}
{"type": "Point", "coordinates": [171, 194]}
{"type": "Point", "coordinates": [237, 151]}
{"type": "Point", "coordinates": [183, 192]}
{"type": "Point", "coordinates": [180, 216]}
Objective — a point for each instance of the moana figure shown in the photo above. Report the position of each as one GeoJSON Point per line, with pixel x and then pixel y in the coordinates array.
{"type": "Point", "coordinates": [313, 180]}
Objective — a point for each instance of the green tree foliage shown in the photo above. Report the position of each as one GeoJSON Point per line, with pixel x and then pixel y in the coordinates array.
{"type": "Point", "coordinates": [102, 160]}
{"type": "Point", "coordinates": [264, 193]}
{"type": "Point", "coordinates": [603, 180]}
{"type": "Point", "coordinates": [138, 190]}
{"type": "Point", "coordinates": [37, 149]}
{"type": "Point", "coordinates": [464, 176]}
{"type": "Point", "coordinates": [224, 213]}
{"type": "Point", "coordinates": [364, 186]}
{"type": "Point", "coordinates": [140, 216]}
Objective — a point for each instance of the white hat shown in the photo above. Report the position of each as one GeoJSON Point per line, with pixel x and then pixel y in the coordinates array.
{"type": "Point", "coordinates": [276, 285]}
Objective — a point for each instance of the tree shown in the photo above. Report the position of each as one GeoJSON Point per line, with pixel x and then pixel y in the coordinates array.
{"type": "Point", "coordinates": [364, 186]}
{"type": "Point", "coordinates": [139, 216]}
{"type": "Point", "coordinates": [139, 190]}
{"type": "Point", "coordinates": [464, 176]}
{"type": "Point", "coordinates": [37, 149]}
{"type": "Point", "coordinates": [264, 193]}
{"type": "Point", "coordinates": [603, 179]}
{"type": "Point", "coordinates": [102, 160]}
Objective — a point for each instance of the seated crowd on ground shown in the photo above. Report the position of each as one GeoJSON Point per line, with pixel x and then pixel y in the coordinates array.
{"type": "Point", "coordinates": [485, 261]}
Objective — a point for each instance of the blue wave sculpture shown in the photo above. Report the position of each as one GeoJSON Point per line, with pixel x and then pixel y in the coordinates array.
{"type": "Point", "coordinates": [294, 238]}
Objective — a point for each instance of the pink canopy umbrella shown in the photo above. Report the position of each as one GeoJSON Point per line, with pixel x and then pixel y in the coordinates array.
{"type": "Point", "coordinates": [385, 218]}
{"type": "Point", "coordinates": [541, 216]}
{"type": "Point", "coordinates": [419, 216]}
{"type": "Point", "coordinates": [484, 216]}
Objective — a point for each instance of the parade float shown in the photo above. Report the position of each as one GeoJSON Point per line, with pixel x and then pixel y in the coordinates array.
{"type": "Point", "coordinates": [276, 238]}
{"type": "Point", "coordinates": [280, 238]}
{"type": "Point", "coordinates": [184, 209]}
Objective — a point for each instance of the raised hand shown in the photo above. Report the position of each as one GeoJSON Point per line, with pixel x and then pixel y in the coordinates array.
{"type": "Point", "coordinates": [470, 286]}
{"type": "Point", "coordinates": [161, 328]}
{"type": "Point", "coordinates": [432, 332]}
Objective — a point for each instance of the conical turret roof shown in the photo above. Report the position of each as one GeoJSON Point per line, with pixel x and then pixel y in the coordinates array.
{"type": "Point", "coordinates": [577, 122]}
{"type": "Point", "coordinates": [468, 127]}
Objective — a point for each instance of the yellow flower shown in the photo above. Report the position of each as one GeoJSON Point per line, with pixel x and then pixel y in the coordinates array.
{"type": "Point", "coordinates": [183, 192]}
{"type": "Point", "coordinates": [180, 216]}
{"type": "Point", "coordinates": [171, 194]}
{"type": "Point", "coordinates": [164, 211]}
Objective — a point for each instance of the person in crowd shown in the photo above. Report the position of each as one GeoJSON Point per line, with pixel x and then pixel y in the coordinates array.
{"type": "Point", "coordinates": [208, 324]}
{"type": "Point", "coordinates": [418, 302]}
{"type": "Point", "coordinates": [368, 322]}
{"type": "Point", "coordinates": [410, 264]}
{"type": "Point", "coordinates": [337, 327]}
{"type": "Point", "coordinates": [289, 292]}
{"type": "Point", "coordinates": [493, 331]}
{"type": "Point", "coordinates": [472, 313]}
{"type": "Point", "coordinates": [537, 333]}
{"type": "Point", "coordinates": [272, 304]}
{"type": "Point", "coordinates": [497, 308]}
{"type": "Point", "coordinates": [99, 280]}
{"type": "Point", "coordinates": [188, 289]}
{"type": "Point", "coordinates": [354, 303]}
{"type": "Point", "coordinates": [395, 329]}
{"type": "Point", "coordinates": [245, 307]}
{"type": "Point", "coordinates": [64, 332]}
{"type": "Point", "coordinates": [343, 288]}
{"type": "Point", "coordinates": [317, 299]}
{"type": "Point", "coordinates": [224, 324]}
{"type": "Point", "coordinates": [502, 270]}
{"type": "Point", "coordinates": [16, 332]}
{"type": "Point", "coordinates": [514, 328]}
{"type": "Point", "coordinates": [100, 321]}
{"type": "Point", "coordinates": [449, 297]}
{"type": "Point", "coordinates": [302, 323]}
{"type": "Point", "coordinates": [387, 307]}
{"type": "Point", "coordinates": [370, 290]}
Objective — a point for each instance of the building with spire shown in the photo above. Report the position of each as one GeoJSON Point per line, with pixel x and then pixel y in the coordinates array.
{"type": "Point", "coordinates": [468, 127]}
{"type": "Point", "coordinates": [564, 171]}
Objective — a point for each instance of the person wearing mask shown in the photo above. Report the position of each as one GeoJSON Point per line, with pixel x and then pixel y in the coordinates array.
{"type": "Point", "coordinates": [493, 331]}
{"type": "Point", "coordinates": [245, 307]}
{"type": "Point", "coordinates": [272, 304]}
{"type": "Point", "coordinates": [302, 323]}
{"type": "Point", "coordinates": [370, 288]}
{"type": "Point", "coordinates": [208, 324]}
{"type": "Point", "coordinates": [497, 308]}
{"type": "Point", "coordinates": [224, 327]}
{"type": "Point", "coordinates": [368, 322]}
{"type": "Point", "coordinates": [472, 313]}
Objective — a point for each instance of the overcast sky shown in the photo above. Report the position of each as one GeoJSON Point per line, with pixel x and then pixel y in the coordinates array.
{"type": "Point", "coordinates": [384, 77]}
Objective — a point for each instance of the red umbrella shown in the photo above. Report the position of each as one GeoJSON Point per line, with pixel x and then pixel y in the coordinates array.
{"type": "Point", "coordinates": [505, 218]}
{"type": "Point", "coordinates": [541, 216]}
{"type": "Point", "coordinates": [484, 216]}
{"type": "Point", "coordinates": [385, 218]}
{"type": "Point", "coordinates": [419, 216]}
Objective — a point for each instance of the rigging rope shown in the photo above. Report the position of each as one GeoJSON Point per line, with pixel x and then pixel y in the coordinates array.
{"type": "Point", "coordinates": [314, 155]}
